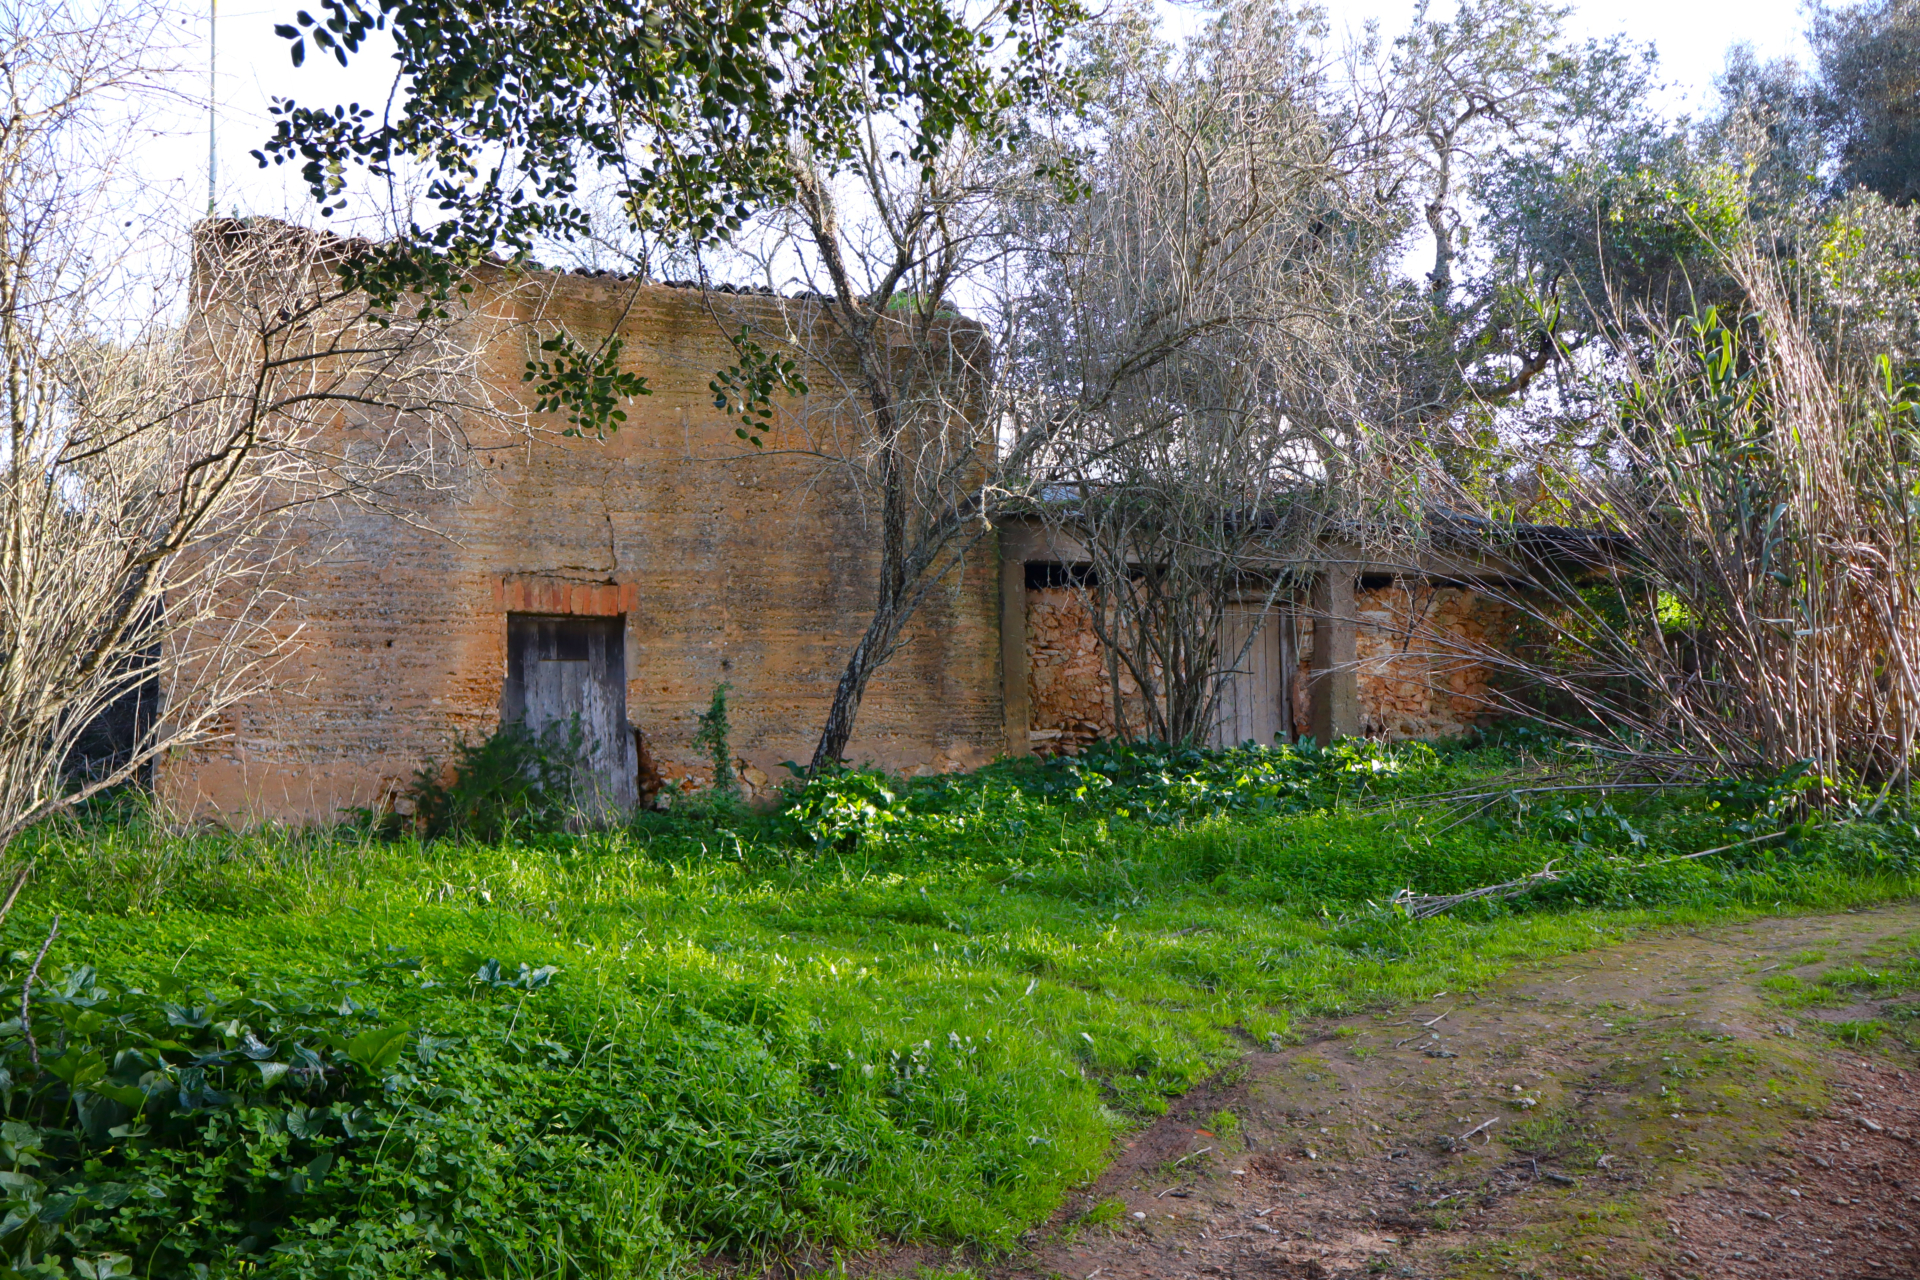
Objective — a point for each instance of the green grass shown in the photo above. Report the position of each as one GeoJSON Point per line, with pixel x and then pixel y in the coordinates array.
{"type": "Point", "coordinates": [1893, 982]}
{"type": "Point", "coordinates": [927, 1022]}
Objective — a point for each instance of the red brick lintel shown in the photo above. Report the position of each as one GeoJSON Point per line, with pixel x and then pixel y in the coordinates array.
{"type": "Point", "coordinates": [528, 594]}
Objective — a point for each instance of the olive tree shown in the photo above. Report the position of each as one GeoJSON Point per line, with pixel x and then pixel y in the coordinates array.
{"type": "Point", "coordinates": [1202, 334]}
{"type": "Point", "coordinates": [1246, 379]}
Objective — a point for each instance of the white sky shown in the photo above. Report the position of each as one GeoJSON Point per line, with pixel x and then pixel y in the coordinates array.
{"type": "Point", "coordinates": [253, 66]}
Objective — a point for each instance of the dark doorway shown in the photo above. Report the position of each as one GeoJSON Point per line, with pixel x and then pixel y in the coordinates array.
{"type": "Point", "coordinates": [560, 668]}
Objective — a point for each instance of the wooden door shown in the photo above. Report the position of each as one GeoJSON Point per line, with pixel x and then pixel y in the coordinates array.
{"type": "Point", "coordinates": [1253, 693]}
{"type": "Point", "coordinates": [560, 669]}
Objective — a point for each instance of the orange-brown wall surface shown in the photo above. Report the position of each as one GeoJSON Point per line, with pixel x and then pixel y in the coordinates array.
{"type": "Point", "coordinates": [1421, 669]}
{"type": "Point", "coordinates": [755, 568]}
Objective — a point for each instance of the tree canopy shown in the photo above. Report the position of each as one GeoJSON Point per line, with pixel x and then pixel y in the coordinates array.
{"type": "Point", "coordinates": [695, 109]}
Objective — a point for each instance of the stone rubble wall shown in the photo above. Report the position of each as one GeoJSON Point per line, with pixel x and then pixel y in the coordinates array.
{"type": "Point", "coordinates": [1069, 696]}
{"type": "Point", "coordinates": [1421, 652]}
{"type": "Point", "coordinates": [1421, 671]}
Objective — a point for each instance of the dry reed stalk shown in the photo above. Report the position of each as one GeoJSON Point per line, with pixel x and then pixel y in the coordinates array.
{"type": "Point", "coordinates": [1742, 595]}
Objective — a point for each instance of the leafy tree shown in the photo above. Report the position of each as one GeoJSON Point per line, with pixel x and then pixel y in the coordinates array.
{"type": "Point", "coordinates": [1202, 321]}
{"type": "Point", "coordinates": [1490, 116]}
{"type": "Point", "coordinates": [1633, 221]}
{"type": "Point", "coordinates": [1851, 121]}
{"type": "Point", "coordinates": [696, 109]}
{"type": "Point", "coordinates": [1870, 87]}
{"type": "Point", "coordinates": [1772, 122]}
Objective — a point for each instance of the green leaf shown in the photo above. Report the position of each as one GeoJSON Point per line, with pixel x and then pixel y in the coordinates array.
{"type": "Point", "coordinates": [306, 1122]}
{"type": "Point", "coordinates": [57, 1207]}
{"type": "Point", "coordinates": [19, 1186]}
{"type": "Point", "coordinates": [379, 1049]}
{"type": "Point", "coordinates": [110, 1195]}
{"type": "Point", "coordinates": [430, 1047]}
{"type": "Point", "coordinates": [126, 1095]}
{"type": "Point", "coordinates": [77, 1070]}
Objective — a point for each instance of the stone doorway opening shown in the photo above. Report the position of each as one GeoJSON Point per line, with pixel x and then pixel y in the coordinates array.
{"type": "Point", "coordinates": [560, 668]}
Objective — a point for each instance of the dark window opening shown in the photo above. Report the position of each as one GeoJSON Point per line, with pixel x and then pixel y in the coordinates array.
{"type": "Point", "coordinates": [1042, 574]}
{"type": "Point", "coordinates": [560, 639]}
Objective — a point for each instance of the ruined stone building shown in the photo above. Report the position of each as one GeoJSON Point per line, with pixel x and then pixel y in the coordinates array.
{"type": "Point", "coordinates": [1371, 651]}
{"type": "Point", "coordinates": [623, 579]}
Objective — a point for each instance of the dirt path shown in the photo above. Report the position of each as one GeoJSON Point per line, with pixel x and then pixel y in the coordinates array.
{"type": "Point", "coordinates": [1678, 1106]}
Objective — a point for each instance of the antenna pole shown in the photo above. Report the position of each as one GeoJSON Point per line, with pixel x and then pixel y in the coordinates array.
{"type": "Point", "coordinates": [213, 48]}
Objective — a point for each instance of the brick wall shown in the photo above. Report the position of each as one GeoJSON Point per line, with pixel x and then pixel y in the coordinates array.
{"type": "Point", "coordinates": [728, 564]}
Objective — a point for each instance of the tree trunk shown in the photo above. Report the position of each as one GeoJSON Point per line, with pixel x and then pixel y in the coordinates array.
{"type": "Point", "coordinates": [891, 610]}
{"type": "Point", "coordinates": [890, 613]}
{"type": "Point", "coordinates": [861, 664]}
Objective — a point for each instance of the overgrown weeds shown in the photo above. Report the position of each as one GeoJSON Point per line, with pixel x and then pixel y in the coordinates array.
{"type": "Point", "coordinates": [1739, 595]}
{"type": "Point", "coordinates": [715, 737]}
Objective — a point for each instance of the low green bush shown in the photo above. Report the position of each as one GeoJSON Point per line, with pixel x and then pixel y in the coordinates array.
{"type": "Point", "coordinates": [513, 780]}
{"type": "Point", "coordinates": [334, 1134]}
{"type": "Point", "coordinates": [839, 810]}
{"type": "Point", "coordinates": [174, 1133]}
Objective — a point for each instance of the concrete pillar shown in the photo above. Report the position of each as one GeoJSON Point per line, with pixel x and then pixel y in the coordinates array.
{"type": "Point", "coordinates": [1013, 656]}
{"type": "Point", "coordinates": [1333, 684]}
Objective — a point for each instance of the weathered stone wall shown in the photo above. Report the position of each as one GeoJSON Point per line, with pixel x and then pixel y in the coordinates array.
{"type": "Point", "coordinates": [1068, 695]}
{"type": "Point", "coordinates": [1420, 669]}
{"type": "Point", "coordinates": [1420, 673]}
{"type": "Point", "coordinates": [756, 568]}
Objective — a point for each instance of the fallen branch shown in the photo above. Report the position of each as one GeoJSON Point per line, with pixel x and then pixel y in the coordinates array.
{"type": "Point", "coordinates": [1484, 1124]}
{"type": "Point", "coordinates": [26, 994]}
{"type": "Point", "coordinates": [1419, 906]}
{"type": "Point", "coordinates": [1484, 795]}
{"type": "Point", "coordinates": [1737, 844]}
